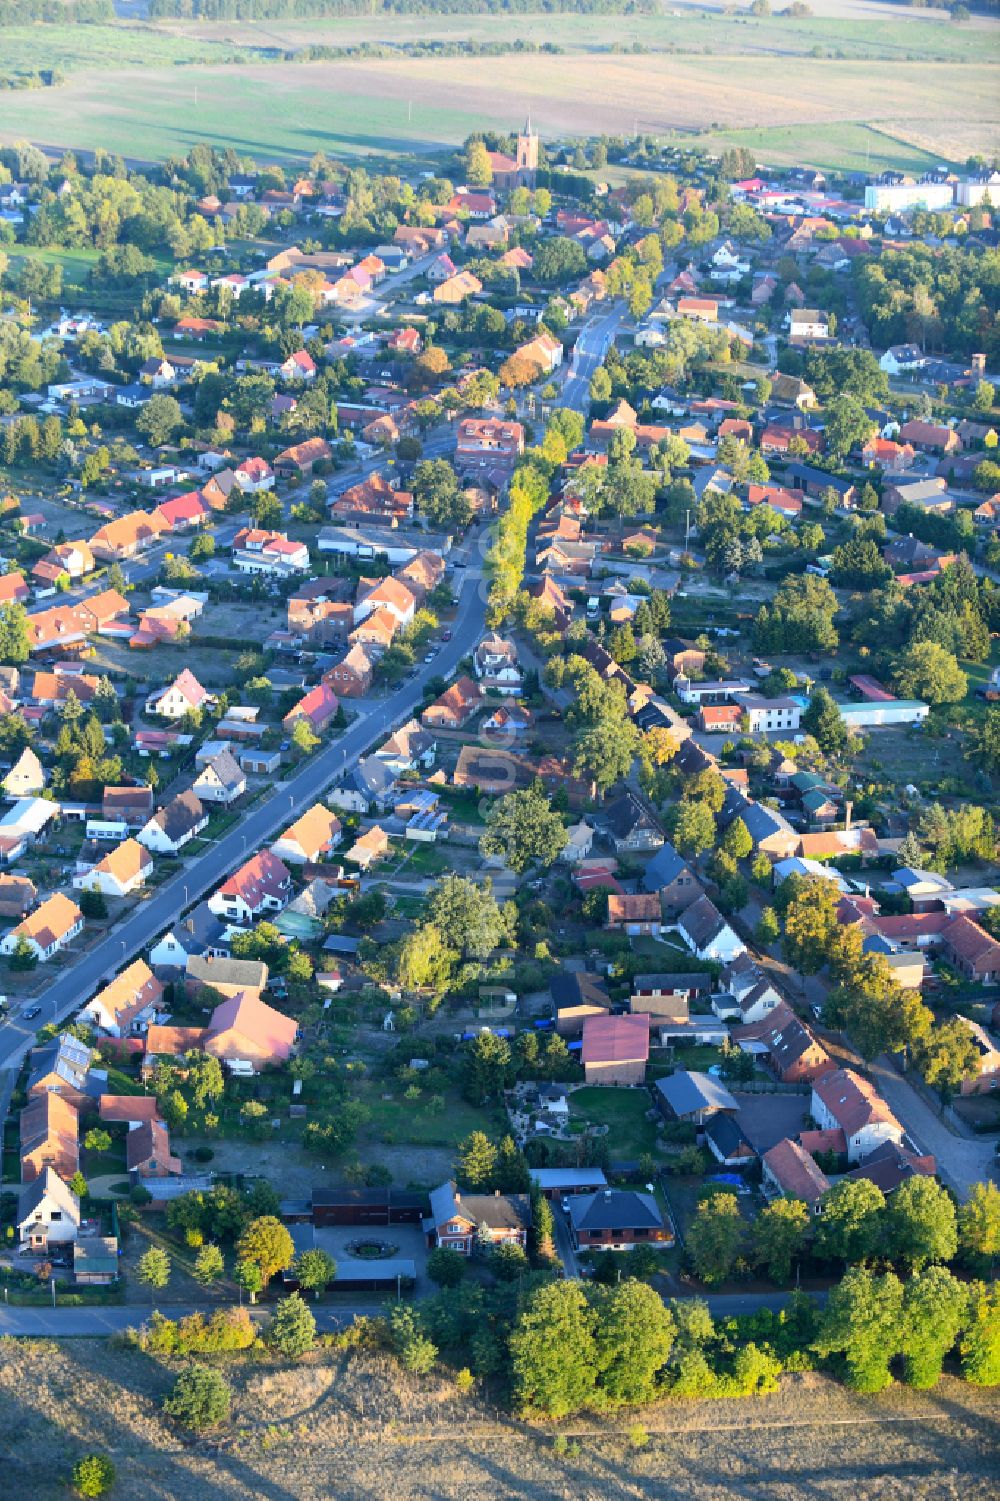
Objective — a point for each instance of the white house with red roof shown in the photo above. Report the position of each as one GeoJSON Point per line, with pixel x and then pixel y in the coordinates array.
{"type": "Point", "coordinates": [253, 475]}
{"type": "Point", "coordinates": [441, 269]}
{"type": "Point", "coordinates": [298, 366]}
{"type": "Point", "coordinates": [256, 551]}
{"type": "Point", "coordinates": [184, 694]}
{"type": "Point", "coordinates": [846, 1100]}
{"type": "Point", "coordinates": [263, 884]}
{"type": "Point", "coordinates": [405, 341]}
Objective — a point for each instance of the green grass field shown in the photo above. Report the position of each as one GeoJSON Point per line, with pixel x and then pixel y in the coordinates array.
{"type": "Point", "coordinates": [623, 1111]}
{"type": "Point", "coordinates": [801, 91]}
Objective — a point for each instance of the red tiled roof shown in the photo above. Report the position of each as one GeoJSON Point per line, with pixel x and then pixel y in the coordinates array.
{"type": "Point", "coordinates": [615, 1039]}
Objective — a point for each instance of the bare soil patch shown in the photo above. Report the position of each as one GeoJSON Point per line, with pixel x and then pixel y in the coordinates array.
{"type": "Point", "coordinates": [359, 1430]}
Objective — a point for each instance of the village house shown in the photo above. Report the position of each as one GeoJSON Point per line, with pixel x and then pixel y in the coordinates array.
{"type": "Point", "coordinates": [300, 461]}
{"type": "Point", "coordinates": [788, 1171]}
{"type": "Point", "coordinates": [121, 539]}
{"type": "Point", "coordinates": [929, 437]}
{"type": "Point", "coordinates": [128, 1005]}
{"type": "Point", "coordinates": [388, 594]}
{"type": "Point", "coordinates": [616, 1219]}
{"type": "Point", "coordinates": [318, 707]}
{"type": "Point", "coordinates": [455, 707]}
{"type": "Point", "coordinates": [352, 676]}
{"type": "Point", "coordinates": [147, 1152]}
{"type": "Point", "coordinates": [268, 553]}
{"type": "Point", "coordinates": [50, 1137]}
{"type": "Point", "coordinates": [17, 896]}
{"type": "Point", "coordinates": [244, 1030]}
{"type": "Point", "coordinates": [121, 871]}
{"type": "Point", "coordinates": [843, 1100]}
{"type": "Point", "coordinates": [706, 932]}
{"type": "Point", "coordinates": [313, 836]}
{"type": "Point", "coordinates": [632, 827]}
{"type": "Point", "coordinates": [373, 499]}
{"type": "Point", "coordinates": [254, 475]}
{"type": "Point", "coordinates": [635, 913]}
{"type": "Point", "coordinates": [488, 443]}
{"type": "Point", "coordinates": [175, 825]}
{"type": "Point", "coordinates": [262, 884]}
{"type": "Point", "coordinates": [183, 695]}
{"type": "Point", "coordinates": [47, 930]}
{"type": "Point", "coordinates": [27, 776]}
{"type": "Point", "coordinates": [130, 806]}
{"type": "Point", "coordinates": [456, 289]}
{"type": "Point", "coordinates": [371, 847]}
{"type": "Point", "coordinates": [670, 876]}
{"type": "Point", "coordinates": [47, 1215]}
{"type": "Point", "coordinates": [65, 1066]}
{"type": "Point", "coordinates": [787, 1045]}
{"type": "Point", "coordinates": [458, 1221]}
{"type": "Point", "coordinates": [495, 664]}
{"type": "Point", "coordinates": [221, 779]}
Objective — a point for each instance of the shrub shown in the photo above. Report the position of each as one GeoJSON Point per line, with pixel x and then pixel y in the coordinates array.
{"type": "Point", "coordinates": [292, 1331]}
{"type": "Point", "coordinates": [200, 1398]}
{"type": "Point", "coordinates": [93, 1475]}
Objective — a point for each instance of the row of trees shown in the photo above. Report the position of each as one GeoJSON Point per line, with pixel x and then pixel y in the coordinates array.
{"type": "Point", "coordinates": [857, 1225]}
{"type": "Point", "coordinates": [866, 999]}
{"type": "Point", "coordinates": [562, 1347]}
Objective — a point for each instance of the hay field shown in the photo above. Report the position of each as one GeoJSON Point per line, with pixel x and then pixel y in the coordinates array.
{"type": "Point", "coordinates": [358, 1430]}
{"type": "Point", "coordinates": [401, 106]}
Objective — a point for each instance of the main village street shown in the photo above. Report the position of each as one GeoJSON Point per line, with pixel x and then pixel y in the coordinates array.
{"type": "Point", "coordinates": [72, 985]}
{"type": "Point", "coordinates": [74, 982]}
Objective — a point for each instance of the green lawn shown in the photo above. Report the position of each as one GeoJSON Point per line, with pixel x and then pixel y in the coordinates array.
{"type": "Point", "coordinates": [623, 1111]}
{"type": "Point", "coordinates": [428, 1121]}
{"type": "Point", "coordinates": [831, 145]}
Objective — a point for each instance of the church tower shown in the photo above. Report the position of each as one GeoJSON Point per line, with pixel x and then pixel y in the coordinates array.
{"type": "Point", "coordinates": [527, 155]}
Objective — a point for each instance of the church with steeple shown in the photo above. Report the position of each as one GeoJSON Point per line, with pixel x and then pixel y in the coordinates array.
{"type": "Point", "coordinates": [520, 171]}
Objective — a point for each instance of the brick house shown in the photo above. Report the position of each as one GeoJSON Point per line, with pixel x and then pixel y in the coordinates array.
{"type": "Point", "coordinates": [352, 676]}
{"type": "Point", "coordinates": [616, 1219]}
{"type": "Point", "coordinates": [635, 913]}
{"type": "Point", "coordinates": [455, 707]}
{"type": "Point", "coordinates": [458, 1219]}
{"type": "Point", "coordinates": [615, 1049]}
{"type": "Point", "coordinates": [50, 1137]}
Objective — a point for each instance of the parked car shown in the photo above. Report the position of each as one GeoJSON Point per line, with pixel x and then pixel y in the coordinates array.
{"type": "Point", "coordinates": [30, 1012]}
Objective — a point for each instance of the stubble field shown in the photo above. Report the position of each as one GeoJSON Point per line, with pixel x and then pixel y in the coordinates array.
{"type": "Point", "coordinates": [795, 91]}
{"type": "Point", "coordinates": [358, 1430]}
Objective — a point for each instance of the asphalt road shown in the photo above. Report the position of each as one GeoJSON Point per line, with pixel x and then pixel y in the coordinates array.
{"type": "Point", "coordinates": [74, 982]}
{"type": "Point", "coordinates": [590, 348]}
{"type": "Point", "coordinates": [102, 1323]}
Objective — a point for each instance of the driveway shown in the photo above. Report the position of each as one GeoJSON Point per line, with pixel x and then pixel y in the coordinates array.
{"type": "Point", "coordinates": [961, 1162]}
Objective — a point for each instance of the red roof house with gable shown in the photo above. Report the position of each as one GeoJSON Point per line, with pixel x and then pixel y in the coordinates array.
{"type": "Point", "coordinates": [263, 884]}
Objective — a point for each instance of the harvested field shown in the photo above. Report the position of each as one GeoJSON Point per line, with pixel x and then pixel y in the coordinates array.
{"type": "Point", "coordinates": [355, 1428]}
{"type": "Point", "coordinates": [392, 107]}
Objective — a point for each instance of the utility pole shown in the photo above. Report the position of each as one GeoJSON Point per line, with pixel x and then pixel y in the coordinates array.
{"type": "Point", "coordinates": [687, 527]}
